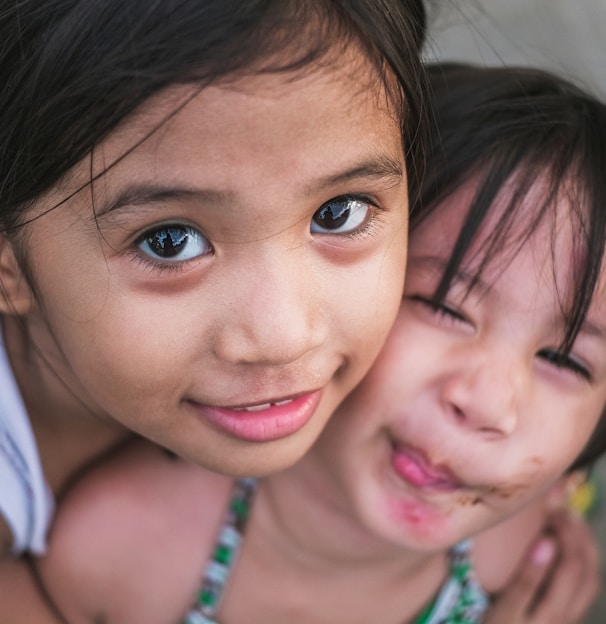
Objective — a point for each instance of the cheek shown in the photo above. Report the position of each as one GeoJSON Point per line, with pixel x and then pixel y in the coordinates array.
{"type": "Point", "coordinates": [374, 298]}
{"type": "Point", "coordinates": [69, 268]}
{"type": "Point", "coordinates": [530, 478]}
{"type": "Point", "coordinates": [124, 343]}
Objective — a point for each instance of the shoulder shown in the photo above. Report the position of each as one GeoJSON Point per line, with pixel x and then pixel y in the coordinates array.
{"type": "Point", "coordinates": [137, 486]}
{"type": "Point", "coordinates": [141, 523]}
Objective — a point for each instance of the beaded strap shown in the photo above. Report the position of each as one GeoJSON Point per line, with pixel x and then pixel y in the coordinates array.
{"type": "Point", "coordinates": [226, 548]}
{"type": "Point", "coordinates": [461, 599]}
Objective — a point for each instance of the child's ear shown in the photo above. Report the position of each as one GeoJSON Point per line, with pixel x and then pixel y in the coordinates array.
{"type": "Point", "coordinates": [16, 296]}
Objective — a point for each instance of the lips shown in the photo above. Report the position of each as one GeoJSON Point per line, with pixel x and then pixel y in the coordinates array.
{"type": "Point", "coordinates": [412, 465]}
{"type": "Point", "coordinates": [262, 422]}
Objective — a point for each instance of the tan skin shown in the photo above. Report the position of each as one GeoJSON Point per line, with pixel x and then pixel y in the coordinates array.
{"type": "Point", "coordinates": [249, 312]}
{"type": "Point", "coordinates": [114, 338]}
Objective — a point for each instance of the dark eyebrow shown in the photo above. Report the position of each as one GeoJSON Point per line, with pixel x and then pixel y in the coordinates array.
{"type": "Point", "coordinates": [149, 194]}
{"type": "Point", "coordinates": [381, 168]}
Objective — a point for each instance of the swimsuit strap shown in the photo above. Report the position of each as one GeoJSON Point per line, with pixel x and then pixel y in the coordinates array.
{"type": "Point", "coordinates": [226, 548]}
{"type": "Point", "coordinates": [461, 599]}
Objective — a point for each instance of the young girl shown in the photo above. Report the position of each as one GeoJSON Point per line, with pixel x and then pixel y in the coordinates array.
{"type": "Point", "coordinates": [202, 228]}
{"type": "Point", "coordinates": [491, 386]}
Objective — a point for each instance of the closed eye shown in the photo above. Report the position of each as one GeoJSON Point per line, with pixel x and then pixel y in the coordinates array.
{"type": "Point", "coordinates": [566, 362]}
{"type": "Point", "coordinates": [440, 309]}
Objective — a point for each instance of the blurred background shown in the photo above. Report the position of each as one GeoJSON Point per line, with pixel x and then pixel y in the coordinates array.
{"type": "Point", "coordinates": [565, 36]}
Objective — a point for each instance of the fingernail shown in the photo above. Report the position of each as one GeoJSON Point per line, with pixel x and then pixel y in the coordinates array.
{"type": "Point", "coordinates": [543, 553]}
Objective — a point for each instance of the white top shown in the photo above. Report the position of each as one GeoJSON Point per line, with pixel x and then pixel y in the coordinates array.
{"type": "Point", "coordinates": [26, 501]}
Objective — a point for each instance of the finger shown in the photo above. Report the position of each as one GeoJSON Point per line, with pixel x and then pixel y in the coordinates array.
{"type": "Point", "coordinates": [513, 604]}
{"type": "Point", "coordinates": [577, 540]}
{"type": "Point", "coordinates": [573, 580]}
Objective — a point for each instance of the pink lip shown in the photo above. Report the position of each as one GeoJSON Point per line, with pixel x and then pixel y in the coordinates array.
{"type": "Point", "coordinates": [412, 465]}
{"type": "Point", "coordinates": [272, 423]}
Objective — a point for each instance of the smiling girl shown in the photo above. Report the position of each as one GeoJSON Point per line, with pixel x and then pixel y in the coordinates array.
{"type": "Point", "coordinates": [202, 228]}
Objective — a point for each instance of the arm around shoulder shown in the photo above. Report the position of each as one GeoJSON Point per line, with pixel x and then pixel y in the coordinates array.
{"type": "Point", "coordinates": [129, 539]}
{"type": "Point", "coordinates": [21, 599]}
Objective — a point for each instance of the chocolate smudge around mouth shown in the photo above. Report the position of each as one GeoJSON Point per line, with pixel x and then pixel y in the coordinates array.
{"type": "Point", "coordinates": [512, 490]}
{"type": "Point", "coordinates": [508, 491]}
{"type": "Point", "coordinates": [469, 499]}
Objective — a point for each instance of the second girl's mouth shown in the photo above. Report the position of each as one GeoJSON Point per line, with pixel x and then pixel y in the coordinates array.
{"type": "Point", "coordinates": [264, 421]}
{"type": "Point", "coordinates": [412, 465]}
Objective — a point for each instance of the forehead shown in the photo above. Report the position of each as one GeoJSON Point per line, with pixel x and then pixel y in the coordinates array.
{"type": "Point", "coordinates": [549, 230]}
{"type": "Point", "coordinates": [322, 117]}
{"type": "Point", "coordinates": [347, 96]}
{"type": "Point", "coordinates": [290, 141]}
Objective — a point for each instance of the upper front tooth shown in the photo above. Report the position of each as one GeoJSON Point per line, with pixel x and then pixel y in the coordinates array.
{"type": "Point", "coordinates": [258, 408]}
{"type": "Point", "coordinates": [286, 401]}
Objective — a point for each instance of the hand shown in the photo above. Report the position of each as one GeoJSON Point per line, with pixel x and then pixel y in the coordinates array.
{"type": "Point", "coordinates": [557, 582]}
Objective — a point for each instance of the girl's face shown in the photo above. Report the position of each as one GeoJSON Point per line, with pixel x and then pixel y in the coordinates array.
{"type": "Point", "coordinates": [469, 412]}
{"type": "Point", "coordinates": [240, 270]}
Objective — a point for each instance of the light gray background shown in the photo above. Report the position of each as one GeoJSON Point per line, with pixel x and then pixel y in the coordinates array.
{"type": "Point", "coordinates": [566, 36]}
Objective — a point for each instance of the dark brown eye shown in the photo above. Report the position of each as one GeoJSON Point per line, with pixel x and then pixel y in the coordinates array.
{"type": "Point", "coordinates": [173, 243]}
{"type": "Point", "coordinates": [340, 216]}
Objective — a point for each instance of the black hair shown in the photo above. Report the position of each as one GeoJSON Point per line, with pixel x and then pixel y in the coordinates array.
{"type": "Point", "coordinates": [504, 125]}
{"type": "Point", "coordinates": [73, 70]}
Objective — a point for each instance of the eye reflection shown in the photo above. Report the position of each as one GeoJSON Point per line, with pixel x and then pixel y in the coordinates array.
{"type": "Point", "coordinates": [340, 216]}
{"type": "Point", "coordinates": [173, 243]}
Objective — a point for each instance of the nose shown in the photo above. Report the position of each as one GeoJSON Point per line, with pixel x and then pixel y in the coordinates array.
{"type": "Point", "coordinates": [273, 316]}
{"type": "Point", "coordinates": [484, 393]}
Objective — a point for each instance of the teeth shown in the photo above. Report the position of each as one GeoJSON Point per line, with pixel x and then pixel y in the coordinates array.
{"type": "Point", "coordinates": [253, 408]}
{"type": "Point", "coordinates": [257, 408]}
{"type": "Point", "coordinates": [261, 407]}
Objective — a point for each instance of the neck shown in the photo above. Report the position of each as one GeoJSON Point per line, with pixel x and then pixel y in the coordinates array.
{"type": "Point", "coordinates": [309, 510]}
{"type": "Point", "coordinates": [302, 533]}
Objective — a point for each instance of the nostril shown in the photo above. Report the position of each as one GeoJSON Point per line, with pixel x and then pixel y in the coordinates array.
{"type": "Point", "coordinates": [458, 413]}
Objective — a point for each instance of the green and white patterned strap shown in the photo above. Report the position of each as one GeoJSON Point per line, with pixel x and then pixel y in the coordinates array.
{"type": "Point", "coordinates": [226, 548]}
{"type": "Point", "coordinates": [461, 599]}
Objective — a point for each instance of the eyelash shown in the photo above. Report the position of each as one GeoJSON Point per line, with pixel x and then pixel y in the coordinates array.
{"type": "Point", "coordinates": [565, 362]}
{"type": "Point", "coordinates": [148, 263]}
{"type": "Point", "coordinates": [440, 309]}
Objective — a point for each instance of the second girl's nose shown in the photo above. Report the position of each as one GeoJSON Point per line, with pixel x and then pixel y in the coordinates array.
{"type": "Point", "coordinates": [484, 394]}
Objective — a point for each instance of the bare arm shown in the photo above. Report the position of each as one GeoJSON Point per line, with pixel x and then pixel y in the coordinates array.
{"type": "Point", "coordinates": [21, 599]}
{"type": "Point", "coordinates": [130, 539]}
